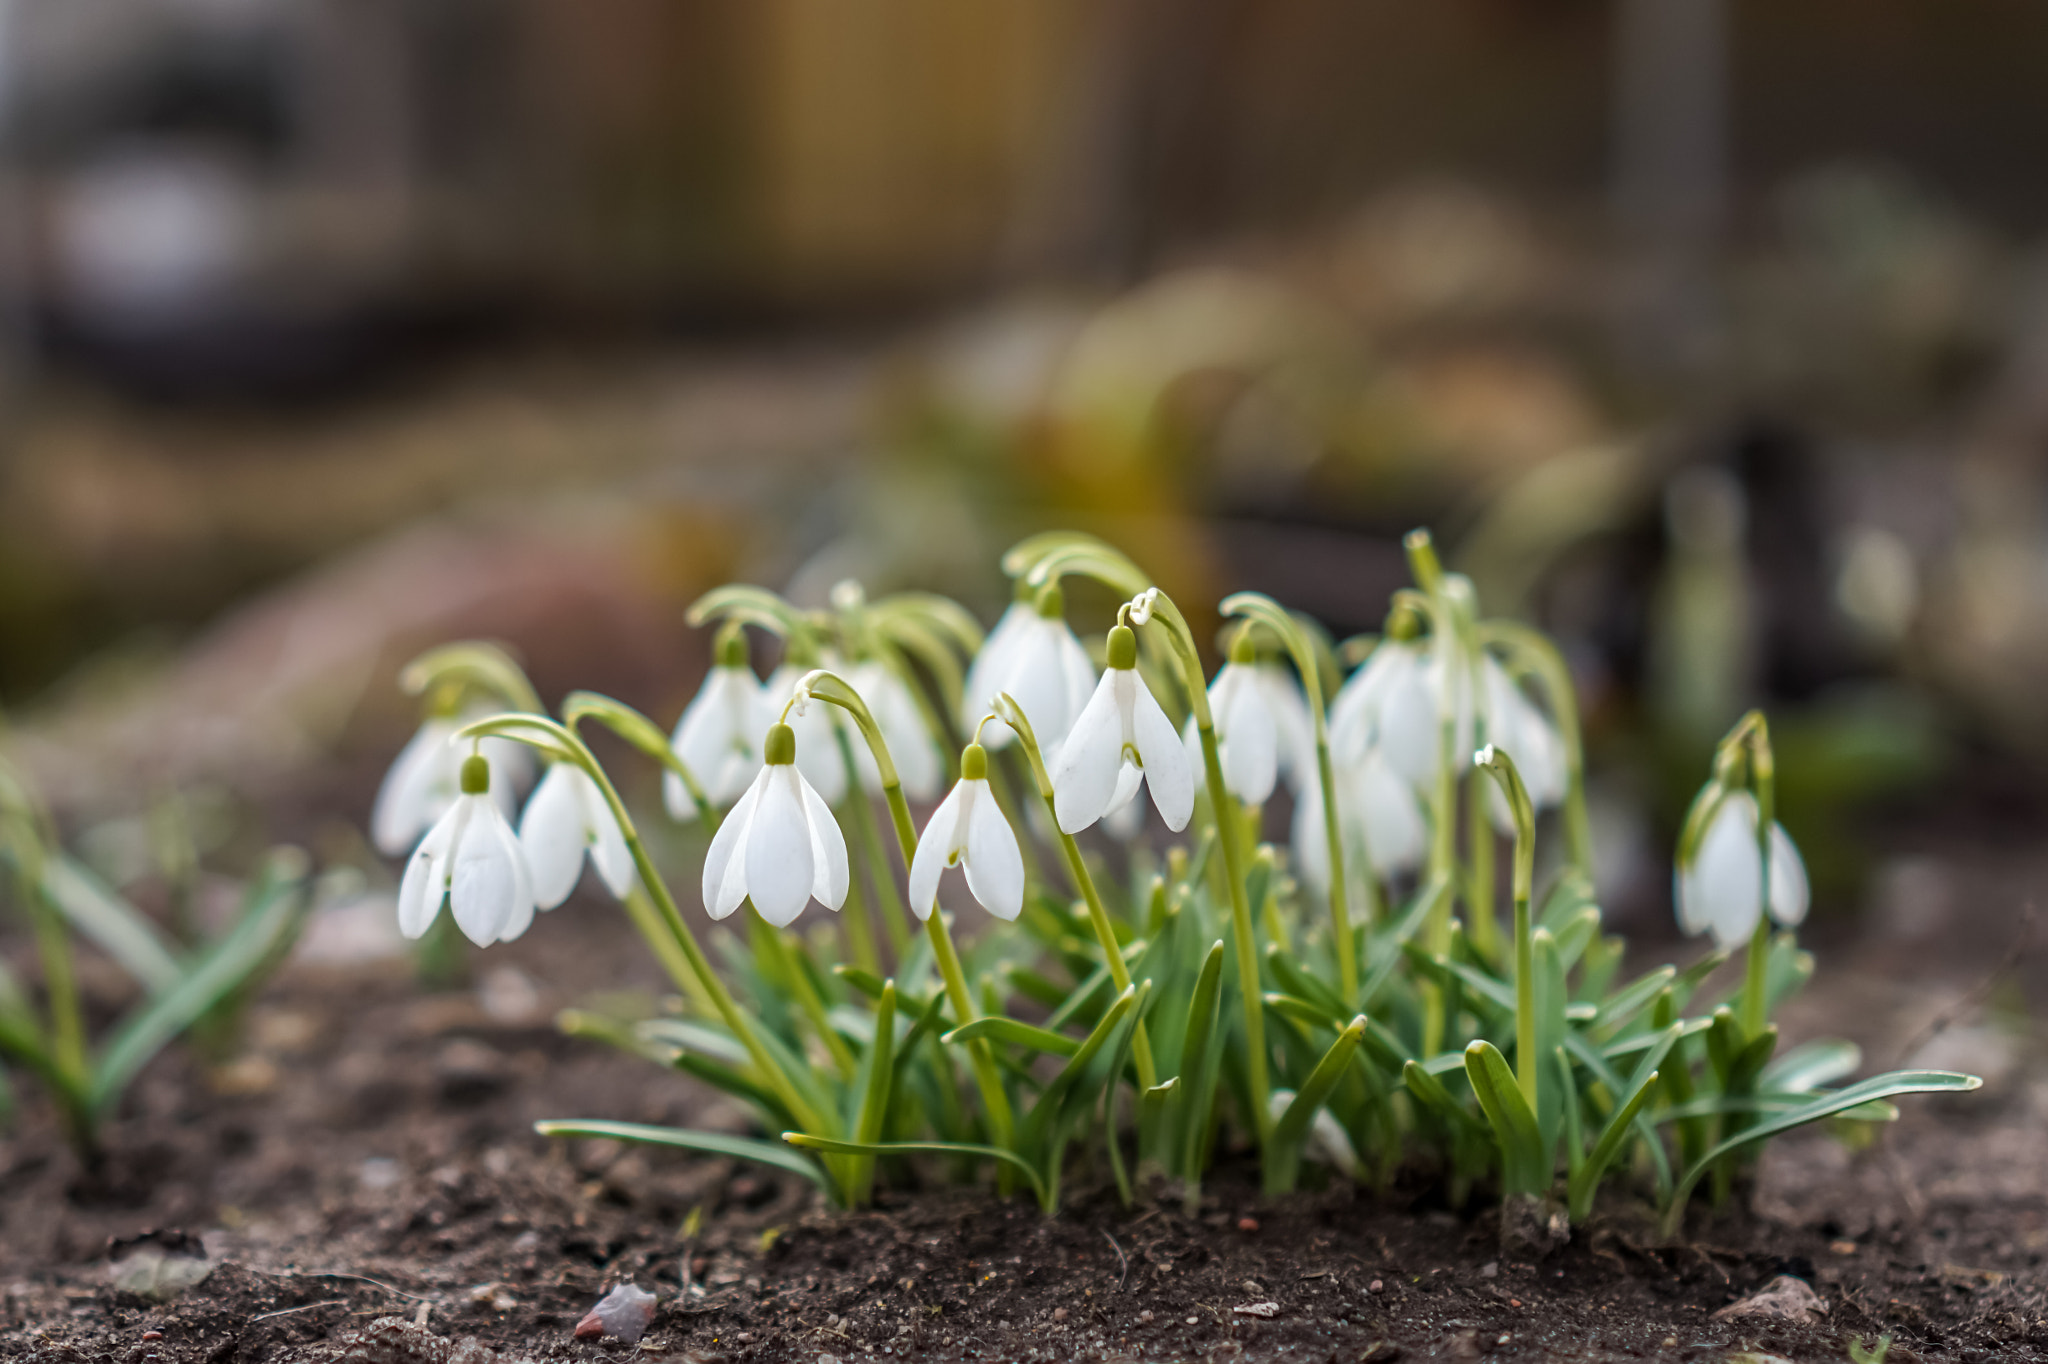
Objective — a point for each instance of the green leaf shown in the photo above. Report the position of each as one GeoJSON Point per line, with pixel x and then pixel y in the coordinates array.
{"type": "Point", "coordinates": [702, 1038]}
{"type": "Point", "coordinates": [1298, 982]}
{"type": "Point", "coordinates": [1431, 1093]}
{"type": "Point", "coordinates": [1299, 1010]}
{"type": "Point", "coordinates": [861, 979]}
{"type": "Point", "coordinates": [707, 1143]}
{"type": "Point", "coordinates": [1887, 1086]}
{"type": "Point", "coordinates": [115, 926]}
{"type": "Point", "coordinates": [747, 604]}
{"type": "Point", "coordinates": [1200, 1058]}
{"type": "Point", "coordinates": [1514, 1126]}
{"type": "Point", "coordinates": [940, 1148]}
{"type": "Point", "coordinates": [1632, 998]}
{"type": "Point", "coordinates": [873, 1083]}
{"type": "Point", "coordinates": [1810, 1065]}
{"type": "Point", "coordinates": [1589, 1056]}
{"type": "Point", "coordinates": [1283, 1148]}
{"type": "Point", "coordinates": [997, 1028]}
{"type": "Point", "coordinates": [276, 902]}
{"type": "Point", "coordinates": [1389, 944]}
{"type": "Point", "coordinates": [1585, 1181]}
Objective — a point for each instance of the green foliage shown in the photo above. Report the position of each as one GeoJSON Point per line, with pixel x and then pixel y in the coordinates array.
{"type": "Point", "coordinates": [1174, 1006]}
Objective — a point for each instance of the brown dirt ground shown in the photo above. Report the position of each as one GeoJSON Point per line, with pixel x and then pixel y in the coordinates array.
{"type": "Point", "coordinates": [368, 1156]}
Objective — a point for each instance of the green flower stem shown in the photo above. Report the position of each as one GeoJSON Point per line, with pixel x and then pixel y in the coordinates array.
{"type": "Point", "coordinates": [1443, 860]}
{"type": "Point", "coordinates": [1301, 649]}
{"type": "Point", "coordinates": [807, 999]}
{"type": "Point", "coordinates": [1077, 871]}
{"type": "Point", "coordinates": [1528, 1066]}
{"type": "Point", "coordinates": [1244, 934]}
{"type": "Point", "coordinates": [550, 736]}
{"type": "Point", "coordinates": [647, 919]}
{"type": "Point", "coordinates": [1479, 877]}
{"type": "Point", "coordinates": [1764, 785]}
{"type": "Point", "coordinates": [854, 921]}
{"type": "Point", "coordinates": [443, 673]}
{"type": "Point", "coordinates": [826, 686]}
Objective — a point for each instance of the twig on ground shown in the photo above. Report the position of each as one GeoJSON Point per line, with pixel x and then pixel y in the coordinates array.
{"type": "Point", "coordinates": [303, 1307]}
{"type": "Point", "coordinates": [2022, 938]}
{"type": "Point", "coordinates": [1123, 1265]}
{"type": "Point", "coordinates": [337, 1274]}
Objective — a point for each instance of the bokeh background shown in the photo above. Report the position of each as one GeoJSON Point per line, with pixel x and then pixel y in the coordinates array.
{"type": "Point", "coordinates": [1711, 334]}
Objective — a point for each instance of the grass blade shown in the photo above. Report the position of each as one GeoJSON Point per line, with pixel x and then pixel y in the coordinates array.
{"type": "Point", "coordinates": [1514, 1126]}
{"type": "Point", "coordinates": [707, 1143]}
{"type": "Point", "coordinates": [892, 1148]}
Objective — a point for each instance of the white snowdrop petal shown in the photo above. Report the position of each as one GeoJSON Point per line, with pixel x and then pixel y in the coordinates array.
{"type": "Point", "coordinates": [484, 885]}
{"type": "Point", "coordinates": [1789, 891]}
{"type": "Point", "coordinates": [1167, 773]}
{"type": "Point", "coordinates": [1389, 817]}
{"type": "Point", "coordinates": [719, 735]}
{"type": "Point", "coordinates": [1294, 728]}
{"type": "Point", "coordinates": [725, 862]}
{"type": "Point", "coordinates": [523, 904]}
{"type": "Point", "coordinates": [1248, 740]}
{"type": "Point", "coordinates": [402, 810]}
{"type": "Point", "coordinates": [830, 874]}
{"type": "Point", "coordinates": [994, 862]}
{"type": "Point", "coordinates": [977, 696]}
{"type": "Point", "coordinates": [1310, 840]}
{"type": "Point", "coordinates": [1033, 679]}
{"type": "Point", "coordinates": [1727, 874]}
{"type": "Point", "coordinates": [780, 864]}
{"type": "Point", "coordinates": [1409, 728]}
{"type": "Point", "coordinates": [608, 850]}
{"type": "Point", "coordinates": [1086, 774]}
{"type": "Point", "coordinates": [935, 847]}
{"type": "Point", "coordinates": [1123, 801]}
{"type": "Point", "coordinates": [551, 832]}
{"type": "Point", "coordinates": [1077, 682]}
{"type": "Point", "coordinates": [424, 885]}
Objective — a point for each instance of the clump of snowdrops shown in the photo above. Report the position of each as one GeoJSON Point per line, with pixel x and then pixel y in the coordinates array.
{"type": "Point", "coordinates": [188, 981]}
{"type": "Point", "coordinates": [1354, 994]}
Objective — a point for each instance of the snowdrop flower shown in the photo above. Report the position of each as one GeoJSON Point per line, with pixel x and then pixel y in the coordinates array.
{"type": "Point", "coordinates": [1718, 891]}
{"type": "Point", "coordinates": [1390, 705]}
{"type": "Point", "coordinates": [719, 736]}
{"type": "Point", "coordinates": [566, 817]}
{"type": "Point", "coordinates": [818, 755]}
{"type": "Point", "coordinates": [780, 846]}
{"type": "Point", "coordinates": [1046, 672]}
{"type": "Point", "coordinates": [425, 776]}
{"type": "Point", "coordinates": [910, 741]}
{"type": "Point", "coordinates": [471, 858]}
{"type": "Point", "coordinates": [1247, 736]}
{"type": "Point", "coordinates": [1294, 727]}
{"type": "Point", "coordinates": [1120, 739]}
{"type": "Point", "coordinates": [1379, 820]}
{"type": "Point", "coordinates": [977, 696]}
{"type": "Point", "coordinates": [1524, 733]}
{"type": "Point", "coordinates": [968, 831]}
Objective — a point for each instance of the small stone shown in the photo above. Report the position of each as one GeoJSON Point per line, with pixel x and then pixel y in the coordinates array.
{"type": "Point", "coordinates": [1379, 1286]}
{"type": "Point", "coordinates": [1841, 1247]}
{"type": "Point", "coordinates": [1247, 1224]}
{"type": "Point", "coordinates": [1060, 1313]}
{"type": "Point", "coordinates": [152, 1335]}
{"type": "Point", "coordinates": [160, 1263]}
{"type": "Point", "coordinates": [1145, 1318]}
{"type": "Point", "coordinates": [1787, 1297]}
{"type": "Point", "coordinates": [1490, 1270]}
{"type": "Point", "coordinates": [1267, 1310]}
{"type": "Point", "coordinates": [625, 1312]}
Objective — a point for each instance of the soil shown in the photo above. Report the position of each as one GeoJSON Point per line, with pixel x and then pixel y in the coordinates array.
{"type": "Point", "coordinates": [365, 1183]}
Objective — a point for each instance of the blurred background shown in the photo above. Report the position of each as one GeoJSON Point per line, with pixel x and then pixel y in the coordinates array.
{"type": "Point", "coordinates": [1711, 334]}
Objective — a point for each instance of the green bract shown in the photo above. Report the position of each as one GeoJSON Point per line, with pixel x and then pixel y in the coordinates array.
{"type": "Point", "coordinates": [1157, 1006]}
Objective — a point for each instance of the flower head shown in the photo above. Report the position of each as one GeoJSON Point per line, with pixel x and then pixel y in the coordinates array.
{"type": "Point", "coordinates": [780, 846]}
{"type": "Point", "coordinates": [1042, 667]}
{"type": "Point", "coordinates": [818, 755]}
{"type": "Point", "coordinates": [424, 779]}
{"type": "Point", "coordinates": [910, 741]}
{"type": "Point", "coordinates": [1262, 725]}
{"type": "Point", "coordinates": [1120, 739]}
{"type": "Point", "coordinates": [472, 859]}
{"type": "Point", "coordinates": [567, 817]}
{"type": "Point", "coordinates": [1379, 820]}
{"type": "Point", "coordinates": [719, 735]}
{"type": "Point", "coordinates": [968, 831]}
{"type": "Point", "coordinates": [1718, 890]}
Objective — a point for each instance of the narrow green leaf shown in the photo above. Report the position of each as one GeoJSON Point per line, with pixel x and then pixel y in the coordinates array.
{"type": "Point", "coordinates": [1811, 1065]}
{"type": "Point", "coordinates": [705, 1039]}
{"type": "Point", "coordinates": [1283, 1149]}
{"type": "Point", "coordinates": [1632, 998]}
{"type": "Point", "coordinates": [1514, 1126]}
{"type": "Point", "coordinates": [1431, 1093]}
{"type": "Point", "coordinates": [860, 978]}
{"type": "Point", "coordinates": [1199, 1061]}
{"type": "Point", "coordinates": [873, 1082]}
{"type": "Point", "coordinates": [1887, 1086]}
{"type": "Point", "coordinates": [275, 905]}
{"type": "Point", "coordinates": [707, 1143]}
{"type": "Point", "coordinates": [115, 926]}
{"type": "Point", "coordinates": [1585, 1181]}
{"type": "Point", "coordinates": [810, 1142]}
{"type": "Point", "coordinates": [997, 1028]}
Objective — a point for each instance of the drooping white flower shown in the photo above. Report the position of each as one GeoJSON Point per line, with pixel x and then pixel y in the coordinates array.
{"type": "Point", "coordinates": [1045, 671]}
{"type": "Point", "coordinates": [911, 745]}
{"type": "Point", "coordinates": [1120, 739]}
{"type": "Point", "coordinates": [968, 830]}
{"type": "Point", "coordinates": [818, 756]}
{"type": "Point", "coordinates": [1294, 726]}
{"type": "Point", "coordinates": [1719, 891]}
{"type": "Point", "coordinates": [472, 859]}
{"type": "Point", "coordinates": [719, 735]}
{"type": "Point", "coordinates": [1379, 823]}
{"type": "Point", "coordinates": [1391, 705]}
{"type": "Point", "coordinates": [567, 817]}
{"type": "Point", "coordinates": [979, 691]}
{"type": "Point", "coordinates": [1247, 732]}
{"type": "Point", "coordinates": [780, 846]}
{"type": "Point", "coordinates": [425, 778]}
